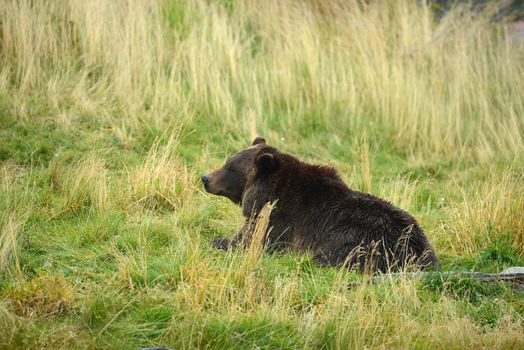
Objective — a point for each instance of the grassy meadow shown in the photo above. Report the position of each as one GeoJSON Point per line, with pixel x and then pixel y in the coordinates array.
{"type": "Point", "coordinates": [110, 111]}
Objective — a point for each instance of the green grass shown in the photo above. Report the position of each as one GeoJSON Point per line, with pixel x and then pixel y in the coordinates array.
{"type": "Point", "coordinates": [110, 111]}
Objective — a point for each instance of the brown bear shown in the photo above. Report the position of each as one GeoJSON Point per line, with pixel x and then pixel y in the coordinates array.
{"type": "Point", "coordinates": [316, 211]}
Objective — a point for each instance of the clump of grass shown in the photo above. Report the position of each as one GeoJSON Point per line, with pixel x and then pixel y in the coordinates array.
{"type": "Point", "coordinates": [44, 296]}
{"type": "Point", "coordinates": [11, 226]}
{"type": "Point", "coordinates": [240, 282]}
{"type": "Point", "coordinates": [84, 184]}
{"type": "Point", "coordinates": [161, 180]}
{"type": "Point", "coordinates": [491, 211]}
{"type": "Point", "coordinates": [257, 238]}
{"type": "Point", "coordinates": [9, 174]}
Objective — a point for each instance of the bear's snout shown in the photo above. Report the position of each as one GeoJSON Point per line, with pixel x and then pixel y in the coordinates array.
{"type": "Point", "coordinates": [205, 181]}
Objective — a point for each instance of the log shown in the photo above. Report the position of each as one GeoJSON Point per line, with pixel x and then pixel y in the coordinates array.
{"type": "Point", "coordinates": [513, 275]}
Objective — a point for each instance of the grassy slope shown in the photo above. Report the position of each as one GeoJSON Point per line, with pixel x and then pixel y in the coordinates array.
{"type": "Point", "coordinates": [110, 111]}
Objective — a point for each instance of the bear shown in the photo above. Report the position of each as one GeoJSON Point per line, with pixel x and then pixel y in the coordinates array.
{"type": "Point", "coordinates": [317, 212]}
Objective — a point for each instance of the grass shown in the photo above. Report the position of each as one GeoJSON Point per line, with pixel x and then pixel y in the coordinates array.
{"type": "Point", "coordinates": [109, 111]}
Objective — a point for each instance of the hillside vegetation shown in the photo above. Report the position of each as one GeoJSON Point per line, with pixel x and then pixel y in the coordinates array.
{"type": "Point", "coordinates": [110, 111]}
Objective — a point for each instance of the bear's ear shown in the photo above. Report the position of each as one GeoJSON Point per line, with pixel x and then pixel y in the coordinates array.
{"type": "Point", "coordinates": [266, 163]}
{"type": "Point", "coordinates": [258, 140]}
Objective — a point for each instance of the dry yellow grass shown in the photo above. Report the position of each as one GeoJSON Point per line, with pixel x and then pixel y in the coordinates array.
{"type": "Point", "coordinates": [493, 209]}
{"type": "Point", "coordinates": [439, 86]}
{"type": "Point", "coordinates": [11, 227]}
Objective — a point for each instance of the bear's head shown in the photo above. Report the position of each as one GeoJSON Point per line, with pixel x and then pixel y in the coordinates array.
{"type": "Point", "coordinates": [231, 179]}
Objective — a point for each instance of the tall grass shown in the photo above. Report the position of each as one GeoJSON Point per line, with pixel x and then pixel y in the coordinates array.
{"type": "Point", "coordinates": [161, 180]}
{"type": "Point", "coordinates": [110, 110]}
{"type": "Point", "coordinates": [11, 227]}
{"type": "Point", "coordinates": [435, 86]}
{"type": "Point", "coordinates": [494, 210]}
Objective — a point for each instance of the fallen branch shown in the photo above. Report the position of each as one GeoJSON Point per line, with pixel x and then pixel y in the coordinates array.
{"type": "Point", "coordinates": [514, 275]}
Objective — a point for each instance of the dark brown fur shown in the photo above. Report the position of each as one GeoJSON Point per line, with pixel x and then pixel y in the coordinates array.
{"type": "Point", "coordinates": [317, 212]}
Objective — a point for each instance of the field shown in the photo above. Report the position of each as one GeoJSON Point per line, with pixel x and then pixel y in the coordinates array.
{"type": "Point", "coordinates": [111, 110]}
